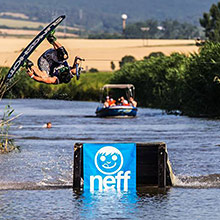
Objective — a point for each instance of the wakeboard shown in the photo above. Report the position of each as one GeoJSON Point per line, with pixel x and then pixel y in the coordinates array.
{"type": "Point", "coordinates": [32, 46]}
{"type": "Point", "coordinates": [78, 71]}
{"type": "Point", "coordinates": [78, 67]}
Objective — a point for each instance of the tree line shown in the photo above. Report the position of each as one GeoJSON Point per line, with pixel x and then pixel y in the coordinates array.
{"type": "Point", "coordinates": [153, 29]}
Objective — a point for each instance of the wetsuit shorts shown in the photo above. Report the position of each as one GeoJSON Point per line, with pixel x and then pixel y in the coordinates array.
{"type": "Point", "coordinates": [48, 61]}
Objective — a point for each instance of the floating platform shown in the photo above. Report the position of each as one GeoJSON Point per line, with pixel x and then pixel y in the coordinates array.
{"type": "Point", "coordinates": [151, 164]}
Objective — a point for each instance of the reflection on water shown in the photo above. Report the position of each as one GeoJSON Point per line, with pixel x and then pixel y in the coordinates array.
{"type": "Point", "coordinates": [43, 168]}
{"type": "Point", "coordinates": [178, 203]}
{"type": "Point", "coordinates": [108, 204]}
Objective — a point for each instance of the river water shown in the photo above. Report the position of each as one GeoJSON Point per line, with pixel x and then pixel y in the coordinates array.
{"type": "Point", "coordinates": [35, 183]}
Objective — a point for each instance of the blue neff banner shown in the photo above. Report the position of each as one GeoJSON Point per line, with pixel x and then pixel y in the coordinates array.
{"type": "Point", "coordinates": [109, 166]}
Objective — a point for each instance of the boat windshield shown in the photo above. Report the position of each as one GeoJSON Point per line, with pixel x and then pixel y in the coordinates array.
{"type": "Point", "coordinates": [116, 92]}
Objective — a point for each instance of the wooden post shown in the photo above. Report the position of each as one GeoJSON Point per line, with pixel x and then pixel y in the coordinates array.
{"type": "Point", "coordinates": [78, 167]}
{"type": "Point", "coordinates": [162, 165]}
{"type": "Point", "coordinates": [147, 164]}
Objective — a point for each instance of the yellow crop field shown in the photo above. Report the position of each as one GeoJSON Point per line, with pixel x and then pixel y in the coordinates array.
{"type": "Point", "coordinates": [98, 53]}
{"type": "Point", "coordinates": [14, 23]}
{"type": "Point", "coordinates": [29, 33]}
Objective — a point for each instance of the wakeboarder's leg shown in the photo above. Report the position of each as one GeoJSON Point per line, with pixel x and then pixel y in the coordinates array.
{"type": "Point", "coordinates": [62, 53]}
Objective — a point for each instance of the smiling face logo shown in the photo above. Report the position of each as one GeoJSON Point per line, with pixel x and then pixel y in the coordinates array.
{"type": "Point", "coordinates": [108, 160]}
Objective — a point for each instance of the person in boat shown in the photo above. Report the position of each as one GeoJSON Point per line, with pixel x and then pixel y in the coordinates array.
{"type": "Point", "coordinates": [52, 65]}
{"type": "Point", "coordinates": [123, 101]}
{"type": "Point", "coordinates": [132, 102]}
{"type": "Point", "coordinates": [118, 102]}
{"type": "Point", "coordinates": [106, 103]}
{"type": "Point", "coordinates": [112, 102]}
{"type": "Point", "coordinates": [109, 102]}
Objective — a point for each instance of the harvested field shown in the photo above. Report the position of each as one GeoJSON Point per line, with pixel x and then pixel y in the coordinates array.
{"type": "Point", "coordinates": [20, 24]}
{"type": "Point", "coordinates": [98, 53]}
{"type": "Point", "coordinates": [30, 33]}
{"type": "Point", "coordinates": [14, 23]}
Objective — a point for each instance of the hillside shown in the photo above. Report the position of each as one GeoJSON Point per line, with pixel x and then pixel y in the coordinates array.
{"type": "Point", "coordinates": [106, 14]}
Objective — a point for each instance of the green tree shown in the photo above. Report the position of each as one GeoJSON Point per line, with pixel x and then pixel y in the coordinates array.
{"type": "Point", "coordinates": [158, 80]}
{"type": "Point", "coordinates": [93, 70]}
{"type": "Point", "coordinates": [135, 30]}
{"type": "Point", "coordinates": [173, 29]}
{"type": "Point", "coordinates": [126, 59]}
{"type": "Point", "coordinates": [154, 54]}
{"type": "Point", "coordinates": [167, 29]}
{"type": "Point", "coordinates": [201, 94]}
{"type": "Point", "coordinates": [211, 23]}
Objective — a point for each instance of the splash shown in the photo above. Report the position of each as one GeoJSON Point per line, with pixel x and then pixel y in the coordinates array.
{"type": "Point", "coordinates": [206, 181]}
{"type": "Point", "coordinates": [33, 186]}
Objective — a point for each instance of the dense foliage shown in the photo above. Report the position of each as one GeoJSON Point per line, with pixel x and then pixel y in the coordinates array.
{"type": "Point", "coordinates": [201, 95]}
{"type": "Point", "coordinates": [211, 23]}
{"type": "Point", "coordinates": [168, 29]}
{"type": "Point", "coordinates": [156, 79]}
{"type": "Point", "coordinates": [177, 82]}
{"type": "Point", "coordinates": [6, 142]}
{"type": "Point", "coordinates": [87, 88]}
{"type": "Point", "coordinates": [153, 29]}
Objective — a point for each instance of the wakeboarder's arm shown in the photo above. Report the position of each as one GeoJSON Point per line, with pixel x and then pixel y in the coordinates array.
{"type": "Point", "coordinates": [47, 80]}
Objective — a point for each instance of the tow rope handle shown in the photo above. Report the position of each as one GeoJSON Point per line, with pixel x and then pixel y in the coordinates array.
{"type": "Point", "coordinates": [79, 68]}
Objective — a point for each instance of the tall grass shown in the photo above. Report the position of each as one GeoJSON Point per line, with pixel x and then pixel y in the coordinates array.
{"type": "Point", "coordinates": [6, 142]}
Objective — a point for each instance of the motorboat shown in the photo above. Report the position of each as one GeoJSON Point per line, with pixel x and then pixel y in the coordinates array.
{"type": "Point", "coordinates": [118, 109]}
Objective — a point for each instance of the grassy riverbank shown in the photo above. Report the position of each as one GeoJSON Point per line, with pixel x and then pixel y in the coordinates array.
{"type": "Point", "coordinates": [87, 88]}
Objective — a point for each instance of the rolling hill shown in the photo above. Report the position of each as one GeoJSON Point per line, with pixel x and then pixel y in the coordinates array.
{"type": "Point", "coordinates": [106, 14]}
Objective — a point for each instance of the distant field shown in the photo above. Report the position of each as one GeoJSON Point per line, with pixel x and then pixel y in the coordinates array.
{"type": "Point", "coordinates": [28, 33]}
{"type": "Point", "coordinates": [14, 23]}
{"type": "Point", "coordinates": [98, 53]}
{"type": "Point", "coordinates": [15, 15]}
{"type": "Point", "coordinates": [17, 28]}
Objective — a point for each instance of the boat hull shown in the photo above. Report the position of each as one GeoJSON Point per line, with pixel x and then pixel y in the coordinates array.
{"type": "Point", "coordinates": [116, 111]}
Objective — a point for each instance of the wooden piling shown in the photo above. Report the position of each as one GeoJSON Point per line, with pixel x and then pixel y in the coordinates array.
{"type": "Point", "coordinates": [78, 167]}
